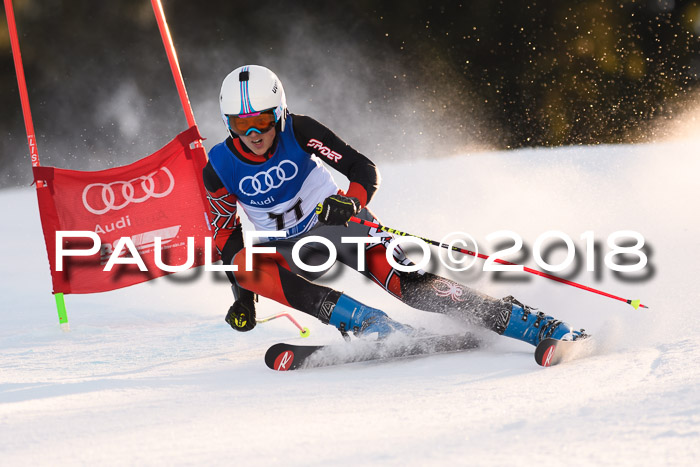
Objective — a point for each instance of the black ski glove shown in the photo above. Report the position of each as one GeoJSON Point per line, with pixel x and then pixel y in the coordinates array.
{"type": "Point", "coordinates": [241, 315]}
{"type": "Point", "coordinates": [338, 209]}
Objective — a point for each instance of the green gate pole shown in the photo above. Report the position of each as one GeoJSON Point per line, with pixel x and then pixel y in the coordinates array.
{"type": "Point", "coordinates": [62, 315]}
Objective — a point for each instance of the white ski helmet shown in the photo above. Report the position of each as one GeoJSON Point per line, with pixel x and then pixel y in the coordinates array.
{"type": "Point", "coordinates": [251, 89]}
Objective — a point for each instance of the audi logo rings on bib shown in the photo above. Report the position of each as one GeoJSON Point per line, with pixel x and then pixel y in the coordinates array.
{"type": "Point", "coordinates": [109, 199]}
{"type": "Point", "coordinates": [274, 177]}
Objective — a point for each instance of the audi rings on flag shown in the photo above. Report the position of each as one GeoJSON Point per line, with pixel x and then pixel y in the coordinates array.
{"type": "Point", "coordinates": [98, 198]}
{"type": "Point", "coordinates": [263, 182]}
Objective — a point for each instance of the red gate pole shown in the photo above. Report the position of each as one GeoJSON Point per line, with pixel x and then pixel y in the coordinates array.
{"type": "Point", "coordinates": [21, 83]}
{"type": "Point", "coordinates": [29, 127]}
{"type": "Point", "coordinates": [174, 63]}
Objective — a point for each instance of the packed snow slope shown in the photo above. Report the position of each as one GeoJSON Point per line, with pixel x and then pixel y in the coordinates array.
{"type": "Point", "coordinates": [152, 374]}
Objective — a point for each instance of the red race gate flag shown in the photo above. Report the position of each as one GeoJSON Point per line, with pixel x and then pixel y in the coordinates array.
{"type": "Point", "coordinates": [161, 195]}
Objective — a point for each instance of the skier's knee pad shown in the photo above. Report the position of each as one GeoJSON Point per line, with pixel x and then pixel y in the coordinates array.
{"type": "Point", "coordinates": [430, 292]}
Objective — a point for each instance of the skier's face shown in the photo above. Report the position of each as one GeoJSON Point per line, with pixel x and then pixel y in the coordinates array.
{"type": "Point", "coordinates": [259, 143]}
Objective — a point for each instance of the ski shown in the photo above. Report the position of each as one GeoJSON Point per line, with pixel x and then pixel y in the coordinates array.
{"type": "Point", "coordinates": [284, 357]}
{"type": "Point", "coordinates": [551, 352]}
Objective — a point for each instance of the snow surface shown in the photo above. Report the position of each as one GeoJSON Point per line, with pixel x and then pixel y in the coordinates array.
{"type": "Point", "coordinates": [152, 374]}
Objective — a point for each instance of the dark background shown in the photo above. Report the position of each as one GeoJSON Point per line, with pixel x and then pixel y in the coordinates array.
{"type": "Point", "coordinates": [396, 79]}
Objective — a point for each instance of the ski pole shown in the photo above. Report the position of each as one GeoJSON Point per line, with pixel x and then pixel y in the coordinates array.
{"type": "Point", "coordinates": [634, 303]}
{"type": "Point", "coordinates": [303, 331]}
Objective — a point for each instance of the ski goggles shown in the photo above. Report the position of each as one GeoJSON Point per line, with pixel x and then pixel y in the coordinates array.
{"type": "Point", "coordinates": [245, 124]}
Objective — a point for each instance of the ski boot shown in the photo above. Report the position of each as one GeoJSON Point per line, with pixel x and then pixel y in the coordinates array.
{"type": "Point", "coordinates": [349, 315]}
{"type": "Point", "coordinates": [532, 326]}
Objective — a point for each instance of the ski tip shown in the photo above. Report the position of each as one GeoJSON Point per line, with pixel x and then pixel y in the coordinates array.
{"type": "Point", "coordinates": [546, 357]}
{"type": "Point", "coordinates": [545, 352]}
{"type": "Point", "coordinates": [280, 357]}
{"type": "Point", "coordinates": [552, 352]}
{"type": "Point", "coordinates": [284, 361]}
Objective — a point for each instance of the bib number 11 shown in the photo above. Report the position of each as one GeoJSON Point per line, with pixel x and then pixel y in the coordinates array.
{"type": "Point", "coordinates": [279, 217]}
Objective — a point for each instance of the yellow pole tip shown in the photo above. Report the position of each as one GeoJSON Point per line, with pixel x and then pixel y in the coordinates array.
{"type": "Point", "coordinates": [305, 332]}
{"type": "Point", "coordinates": [635, 304]}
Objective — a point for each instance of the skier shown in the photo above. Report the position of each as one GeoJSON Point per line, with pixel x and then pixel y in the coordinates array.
{"type": "Point", "coordinates": [273, 165]}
